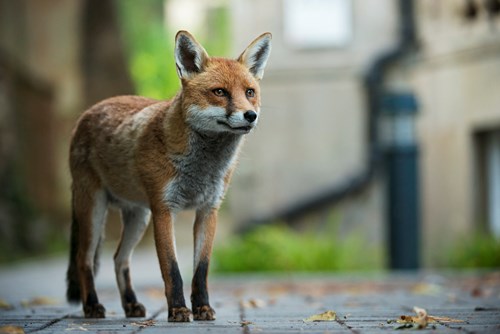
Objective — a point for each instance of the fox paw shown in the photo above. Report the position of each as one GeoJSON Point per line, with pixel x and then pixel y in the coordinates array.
{"type": "Point", "coordinates": [204, 312]}
{"type": "Point", "coordinates": [94, 311]}
{"type": "Point", "coordinates": [134, 310]}
{"type": "Point", "coordinates": [180, 314]}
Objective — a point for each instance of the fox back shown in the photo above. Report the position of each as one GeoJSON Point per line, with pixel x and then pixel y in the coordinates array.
{"type": "Point", "coordinates": [150, 157]}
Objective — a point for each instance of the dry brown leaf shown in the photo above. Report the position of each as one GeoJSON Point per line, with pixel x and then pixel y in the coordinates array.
{"type": "Point", "coordinates": [9, 329]}
{"type": "Point", "coordinates": [38, 301]}
{"type": "Point", "coordinates": [325, 316]}
{"type": "Point", "coordinates": [426, 289]}
{"type": "Point", "coordinates": [272, 301]}
{"type": "Point", "coordinates": [74, 327]}
{"type": "Point", "coordinates": [443, 319]}
{"type": "Point", "coordinates": [5, 306]}
{"type": "Point", "coordinates": [257, 303]}
{"type": "Point", "coordinates": [421, 320]}
{"type": "Point", "coordinates": [253, 303]}
{"type": "Point", "coordinates": [145, 323]}
{"type": "Point", "coordinates": [155, 293]}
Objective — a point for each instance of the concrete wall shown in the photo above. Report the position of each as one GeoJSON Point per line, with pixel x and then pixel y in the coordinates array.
{"type": "Point", "coordinates": [311, 135]}
{"type": "Point", "coordinates": [457, 80]}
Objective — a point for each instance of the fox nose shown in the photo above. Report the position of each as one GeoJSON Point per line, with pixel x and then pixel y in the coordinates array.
{"type": "Point", "coordinates": [250, 116]}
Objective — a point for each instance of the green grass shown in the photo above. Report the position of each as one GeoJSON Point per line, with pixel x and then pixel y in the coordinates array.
{"type": "Point", "coordinates": [479, 251]}
{"type": "Point", "coordinates": [55, 243]}
{"type": "Point", "coordinates": [278, 248]}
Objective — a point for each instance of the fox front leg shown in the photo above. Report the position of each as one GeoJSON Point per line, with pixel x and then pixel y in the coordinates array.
{"type": "Point", "coordinates": [165, 248]}
{"type": "Point", "coordinates": [204, 233]}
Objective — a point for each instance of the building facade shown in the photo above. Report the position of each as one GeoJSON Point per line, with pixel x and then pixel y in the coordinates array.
{"type": "Point", "coordinates": [312, 133]}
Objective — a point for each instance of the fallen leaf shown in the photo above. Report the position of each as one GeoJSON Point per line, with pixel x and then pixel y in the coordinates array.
{"type": "Point", "coordinates": [325, 316]}
{"type": "Point", "coordinates": [145, 323]}
{"type": "Point", "coordinates": [272, 301]}
{"type": "Point", "coordinates": [477, 292]}
{"type": "Point", "coordinates": [253, 303]}
{"type": "Point", "coordinates": [443, 319]}
{"type": "Point", "coordinates": [257, 303]}
{"type": "Point", "coordinates": [38, 301]}
{"type": "Point", "coordinates": [9, 329]}
{"type": "Point", "coordinates": [74, 327]}
{"type": "Point", "coordinates": [5, 306]}
{"type": "Point", "coordinates": [421, 320]}
{"type": "Point", "coordinates": [407, 326]}
{"type": "Point", "coordinates": [155, 293]}
{"type": "Point", "coordinates": [426, 289]}
{"type": "Point", "coordinates": [245, 323]}
{"type": "Point", "coordinates": [414, 322]}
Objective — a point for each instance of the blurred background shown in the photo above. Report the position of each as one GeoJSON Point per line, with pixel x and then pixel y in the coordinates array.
{"type": "Point", "coordinates": [378, 146]}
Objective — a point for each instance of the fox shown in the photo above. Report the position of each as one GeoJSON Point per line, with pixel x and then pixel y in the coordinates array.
{"type": "Point", "coordinates": [154, 158]}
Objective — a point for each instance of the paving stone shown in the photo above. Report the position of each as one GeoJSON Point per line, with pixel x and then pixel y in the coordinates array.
{"type": "Point", "coordinates": [265, 303]}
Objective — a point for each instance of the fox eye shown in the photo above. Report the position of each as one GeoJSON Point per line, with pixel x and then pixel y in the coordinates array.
{"type": "Point", "coordinates": [220, 92]}
{"type": "Point", "coordinates": [250, 92]}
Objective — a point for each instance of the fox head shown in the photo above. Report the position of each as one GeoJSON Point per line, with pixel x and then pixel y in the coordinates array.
{"type": "Point", "coordinates": [221, 95]}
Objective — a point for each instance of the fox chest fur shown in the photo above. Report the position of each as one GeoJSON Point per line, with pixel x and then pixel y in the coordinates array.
{"type": "Point", "coordinates": [200, 172]}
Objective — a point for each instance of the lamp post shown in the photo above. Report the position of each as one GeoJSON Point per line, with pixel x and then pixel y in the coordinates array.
{"type": "Point", "coordinates": [397, 121]}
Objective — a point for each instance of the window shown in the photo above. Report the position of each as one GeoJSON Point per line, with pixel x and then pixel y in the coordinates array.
{"type": "Point", "coordinates": [310, 24]}
{"type": "Point", "coordinates": [488, 167]}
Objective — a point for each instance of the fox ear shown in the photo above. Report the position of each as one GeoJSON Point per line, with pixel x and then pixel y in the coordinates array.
{"type": "Point", "coordinates": [256, 54]}
{"type": "Point", "coordinates": [190, 56]}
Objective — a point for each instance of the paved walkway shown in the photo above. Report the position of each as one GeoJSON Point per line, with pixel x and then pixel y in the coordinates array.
{"type": "Point", "coordinates": [32, 299]}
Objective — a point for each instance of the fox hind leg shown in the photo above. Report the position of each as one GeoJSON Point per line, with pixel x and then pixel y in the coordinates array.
{"type": "Point", "coordinates": [135, 221]}
{"type": "Point", "coordinates": [90, 210]}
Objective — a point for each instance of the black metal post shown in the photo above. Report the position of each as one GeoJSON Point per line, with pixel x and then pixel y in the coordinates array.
{"type": "Point", "coordinates": [402, 158]}
{"type": "Point", "coordinates": [403, 210]}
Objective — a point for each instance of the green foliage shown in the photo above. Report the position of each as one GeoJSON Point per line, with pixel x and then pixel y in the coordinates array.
{"type": "Point", "coordinates": [149, 47]}
{"type": "Point", "coordinates": [280, 248]}
{"type": "Point", "coordinates": [54, 243]}
{"type": "Point", "coordinates": [480, 251]}
{"type": "Point", "coordinates": [218, 26]}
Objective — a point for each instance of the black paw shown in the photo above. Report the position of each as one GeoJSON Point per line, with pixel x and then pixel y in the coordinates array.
{"type": "Point", "coordinates": [204, 312]}
{"type": "Point", "coordinates": [94, 311]}
{"type": "Point", "coordinates": [180, 314]}
{"type": "Point", "coordinates": [134, 310]}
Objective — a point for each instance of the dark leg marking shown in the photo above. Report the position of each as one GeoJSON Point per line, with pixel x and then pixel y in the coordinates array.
{"type": "Point", "coordinates": [177, 310]}
{"type": "Point", "coordinates": [92, 308]}
{"type": "Point", "coordinates": [199, 295]}
{"type": "Point", "coordinates": [132, 308]}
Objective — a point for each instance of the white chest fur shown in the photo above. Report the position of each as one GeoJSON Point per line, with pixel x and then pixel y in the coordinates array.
{"type": "Point", "coordinates": [199, 180]}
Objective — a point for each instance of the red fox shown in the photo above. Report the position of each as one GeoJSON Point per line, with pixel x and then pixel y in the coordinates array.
{"type": "Point", "coordinates": [154, 158]}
